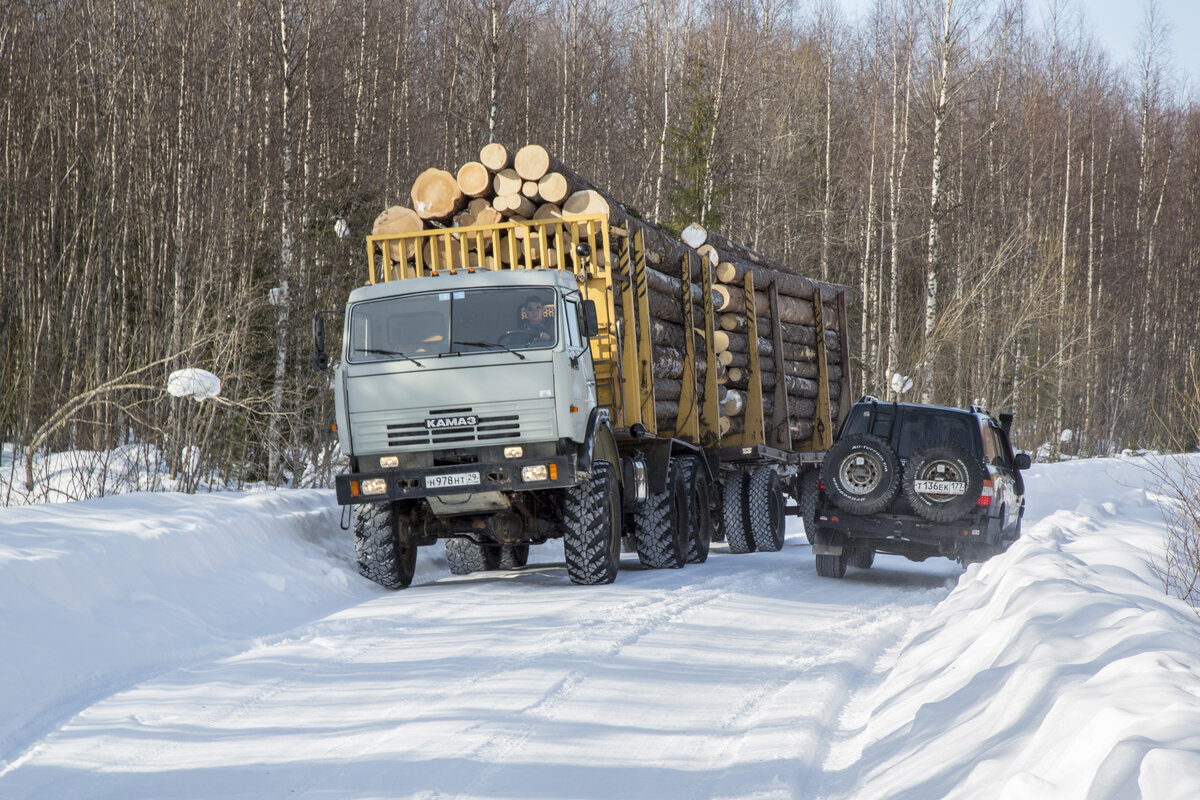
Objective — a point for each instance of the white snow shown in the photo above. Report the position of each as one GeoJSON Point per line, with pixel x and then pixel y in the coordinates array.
{"type": "Point", "coordinates": [193, 382]}
{"type": "Point", "coordinates": [166, 645]}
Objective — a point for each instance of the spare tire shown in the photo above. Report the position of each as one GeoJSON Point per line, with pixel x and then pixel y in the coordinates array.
{"type": "Point", "coordinates": [861, 474]}
{"type": "Point", "coordinates": [943, 482]}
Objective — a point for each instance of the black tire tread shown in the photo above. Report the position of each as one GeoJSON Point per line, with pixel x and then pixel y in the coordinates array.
{"type": "Point", "coordinates": [700, 524]}
{"type": "Point", "coordinates": [380, 554]}
{"type": "Point", "coordinates": [809, 491]}
{"type": "Point", "coordinates": [590, 527]}
{"type": "Point", "coordinates": [654, 526]}
{"type": "Point", "coordinates": [465, 556]}
{"type": "Point", "coordinates": [733, 513]}
{"type": "Point", "coordinates": [764, 494]}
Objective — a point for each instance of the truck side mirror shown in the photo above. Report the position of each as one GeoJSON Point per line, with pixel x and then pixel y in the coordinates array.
{"type": "Point", "coordinates": [591, 324]}
{"type": "Point", "coordinates": [1021, 461]}
{"type": "Point", "coordinates": [320, 357]}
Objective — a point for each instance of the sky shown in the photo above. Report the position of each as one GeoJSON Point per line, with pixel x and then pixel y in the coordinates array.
{"type": "Point", "coordinates": [1116, 25]}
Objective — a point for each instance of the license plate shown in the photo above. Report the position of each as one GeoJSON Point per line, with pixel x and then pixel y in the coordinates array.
{"type": "Point", "coordinates": [450, 481]}
{"type": "Point", "coordinates": [940, 487]}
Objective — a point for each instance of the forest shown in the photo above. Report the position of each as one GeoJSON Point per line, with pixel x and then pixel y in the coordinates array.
{"type": "Point", "coordinates": [186, 183]}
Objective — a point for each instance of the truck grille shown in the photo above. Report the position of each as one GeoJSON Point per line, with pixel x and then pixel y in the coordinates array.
{"type": "Point", "coordinates": [486, 429]}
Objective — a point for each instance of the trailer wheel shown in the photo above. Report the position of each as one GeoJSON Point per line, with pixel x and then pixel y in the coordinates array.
{"type": "Point", "coordinates": [861, 474]}
{"type": "Point", "coordinates": [660, 526]}
{"type": "Point", "coordinates": [831, 566]}
{"type": "Point", "coordinates": [465, 557]}
{"type": "Point", "coordinates": [699, 518]}
{"type": "Point", "coordinates": [862, 557]}
{"type": "Point", "coordinates": [943, 482]}
{"type": "Point", "coordinates": [383, 545]}
{"type": "Point", "coordinates": [592, 513]}
{"type": "Point", "coordinates": [808, 495]}
{"type": "Point", "coordinates": [733, 513]}
{"type": "Point", "coordinates": [764, 504]}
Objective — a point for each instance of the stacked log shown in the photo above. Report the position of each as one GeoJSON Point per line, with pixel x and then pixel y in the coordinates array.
{"type": "Point", "coordinates": [530, 184]}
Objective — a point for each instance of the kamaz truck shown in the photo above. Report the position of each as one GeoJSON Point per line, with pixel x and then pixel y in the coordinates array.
{"type": "Point", "coordinates": [495, 389]}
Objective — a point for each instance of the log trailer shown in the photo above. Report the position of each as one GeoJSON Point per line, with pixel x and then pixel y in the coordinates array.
{"type": "Point", "coordinates": [495, 389]}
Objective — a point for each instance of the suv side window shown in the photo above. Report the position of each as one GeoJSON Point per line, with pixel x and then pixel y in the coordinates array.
{"type": "Point", "coordinates": [874, 420]}
{"type": "Point", "coordinates": [1003, 456]}
{"type": "Point", "coordinates": [990, 450]}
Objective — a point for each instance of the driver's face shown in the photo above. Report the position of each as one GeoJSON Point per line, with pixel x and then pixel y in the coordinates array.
{"type": "Point", "coordinates": [533, 313]}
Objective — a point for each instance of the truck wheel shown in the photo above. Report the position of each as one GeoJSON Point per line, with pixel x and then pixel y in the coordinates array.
{"type": "Point", "coordinates": [861, 557]}
{"type": "Point", "coordinates": [943, 482]}
{"type": "Point", "coordinates": [465, 557]}
{"type": "Point", "coordinates": [733, 513]}
{"type": "Point", "coordinates": [699, 517]}
{"type": "Point", "coordinates": [809, 494]}
{"type": "Point", "coordinates": [512, 556]}
{"type": "Point", "coordinates": [861, 474]}
{"type": "Point", "coordinates": [660, 526]}
{"type": "Point", "coordinates": [764, 504]}
{"type": "Point", "coordinates": [831, 566]}
{"type": "Point", "coordinates": [592, 513]}
{"type": "Point", "coordinates": [383, 545]}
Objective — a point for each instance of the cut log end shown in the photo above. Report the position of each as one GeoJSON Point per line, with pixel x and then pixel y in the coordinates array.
{"type": "Point", "coordinates": [473, 179]}
{"type": "Point", "coordinates": [494, 156]}
{"type": "Point", "coordinates": [435, 194]}
{"type": "Point", "coordinates": [531, 162]}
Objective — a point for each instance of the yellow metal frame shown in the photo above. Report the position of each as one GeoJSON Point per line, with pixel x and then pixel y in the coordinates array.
{"type": "Point", "coordinates": [530, 245]}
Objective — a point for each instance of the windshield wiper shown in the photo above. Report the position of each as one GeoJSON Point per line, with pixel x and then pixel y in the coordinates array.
{"type": "Point", "coordinates": [492, 345]}
{"type": "Point", "coordinates": [378, 352]}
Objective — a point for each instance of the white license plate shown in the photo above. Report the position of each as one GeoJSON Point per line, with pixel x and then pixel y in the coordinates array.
{"type": "Point", "coordinates": [450, 481]}
{"type": "Point", "coordinates": [940, 487]}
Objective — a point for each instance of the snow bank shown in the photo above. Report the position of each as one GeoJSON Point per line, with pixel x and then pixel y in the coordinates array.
{"type": "Point", "coordinates": [99, 594]}
{"type": "Point", "coordinates": [1060, 669]}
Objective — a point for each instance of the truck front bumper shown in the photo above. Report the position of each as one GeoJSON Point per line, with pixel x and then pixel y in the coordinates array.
{"type": "Point", "coordinates": [505, 476]}
{"type": "Point", "coordinates": [900, 528]}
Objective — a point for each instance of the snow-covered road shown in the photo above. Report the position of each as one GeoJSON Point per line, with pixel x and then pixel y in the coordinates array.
{"type": "Point", "coordinates": [222, 646]}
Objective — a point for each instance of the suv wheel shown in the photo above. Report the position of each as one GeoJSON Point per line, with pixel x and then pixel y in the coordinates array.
{"type": "Point", "coordinates": [943, 482]}
{"type": "Point", "coordinates": [831, 566]}
{"type": "Point", "coordinates": [861, 474]}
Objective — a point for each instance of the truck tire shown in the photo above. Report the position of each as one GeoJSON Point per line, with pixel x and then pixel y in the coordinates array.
{"type": "Point", "coordinates": [511, 556]}
{"type": "Point", "coordinates": [937, 464]}
{"type": "Point", "coordinates": [831, 566]}
{"type": "Point", "coordinates": [592, 513]}
{"type": "Point", "coordinates": [660, 526]}
{"type": "Point", "coordinates": [465, 557]}
{"type": "Point", "coordinates": [765, 507]}
{"type": "Point", "coordinates": [733, 513]}
{"type": "Point", "coordinates": [862, 557]}
{"type": "Point", "coordinates": [383, 545]}
{"type": "Point", "coordinates": [699, 515]}
{"type": "Point", "coordinates": [808, 495]}
{"type": "Point", "coordinates": [861, 474]}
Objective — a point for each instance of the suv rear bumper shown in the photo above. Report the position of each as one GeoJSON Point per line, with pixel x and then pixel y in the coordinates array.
{"type": "Point", "coordinates": [896, 531]}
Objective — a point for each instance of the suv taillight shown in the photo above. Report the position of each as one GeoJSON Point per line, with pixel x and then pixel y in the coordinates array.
{"type": "Point", "coordinates": [989, 491]}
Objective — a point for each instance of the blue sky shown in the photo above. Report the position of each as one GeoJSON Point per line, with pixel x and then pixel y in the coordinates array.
{"type": "Point", "coordinates": [1116, 26]}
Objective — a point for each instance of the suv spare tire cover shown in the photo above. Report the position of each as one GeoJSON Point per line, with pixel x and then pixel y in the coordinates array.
{"type": "Point", "coordinates": [861, 474]}
{"type": "Point", "coordinates": [943, 482]}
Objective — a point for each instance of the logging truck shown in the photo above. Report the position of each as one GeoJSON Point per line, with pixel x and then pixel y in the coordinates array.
{"type": "Point", "coordinates": [506, 383]}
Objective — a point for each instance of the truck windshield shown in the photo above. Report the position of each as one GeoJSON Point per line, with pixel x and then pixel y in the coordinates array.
{"type": "Point", "coordinates": [443, 323]}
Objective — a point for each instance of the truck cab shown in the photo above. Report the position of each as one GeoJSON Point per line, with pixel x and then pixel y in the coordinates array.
{"type": "Point", "coordinates": [477, 380]}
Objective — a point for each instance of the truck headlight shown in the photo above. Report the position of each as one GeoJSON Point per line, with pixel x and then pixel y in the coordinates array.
{"type": "Point", "coordinates": [374, 486]}
{"type": "Point", "coordinates": [534, 473]}
{"type": "Point", "coordinates": [514, 452]}
{"type": "Point", "coordinates": [389, 462]}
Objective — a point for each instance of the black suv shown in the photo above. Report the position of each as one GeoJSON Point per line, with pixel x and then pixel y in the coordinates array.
{"type": "Point", "coordinates": [917, 481]}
